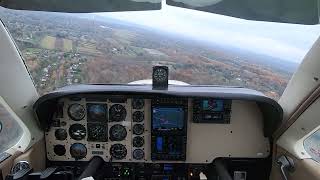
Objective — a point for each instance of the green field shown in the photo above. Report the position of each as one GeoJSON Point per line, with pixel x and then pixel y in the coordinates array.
{"type": "Point", "coordinates": [88, 48]}
{"type": "Point", "coordinates": [67, 45]}
{"type": "Point", "coordinates": [48, 42]}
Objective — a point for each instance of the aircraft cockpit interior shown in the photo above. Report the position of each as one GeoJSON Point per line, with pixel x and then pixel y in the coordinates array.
{"type": "Point", "coordinates": [121, 96]}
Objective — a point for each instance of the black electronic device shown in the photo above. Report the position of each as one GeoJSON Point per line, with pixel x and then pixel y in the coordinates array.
{"type": "Point", "coordinates": [169, 129]}
{"type": "Point", "coordinates": [211, 110]}
{"type": "Point", "coordinates": [160, 77]}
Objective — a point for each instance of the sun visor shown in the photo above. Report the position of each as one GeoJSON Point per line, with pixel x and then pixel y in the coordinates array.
{"type": "Point", "coordinates": [284, 11]}
{"type": "Point", "coordinates": [82, 6]}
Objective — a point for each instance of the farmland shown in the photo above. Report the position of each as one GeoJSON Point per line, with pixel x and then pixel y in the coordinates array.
{"type": "Point", "coordinates": [61, 50]}
{"type": "Point", "coordinates": [51, 43]}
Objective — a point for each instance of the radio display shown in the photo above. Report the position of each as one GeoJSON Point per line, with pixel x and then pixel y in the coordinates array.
{"type": "Point", "coordinates": [168, 118]}
{"type": "Point", "coordinates": [212, 105]}
{"type": "Point", "coordinates": [211, 110]}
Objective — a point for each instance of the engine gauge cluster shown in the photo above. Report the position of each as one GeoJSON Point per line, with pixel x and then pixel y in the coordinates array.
{"type": "Point", "coordinates": [138, 129]}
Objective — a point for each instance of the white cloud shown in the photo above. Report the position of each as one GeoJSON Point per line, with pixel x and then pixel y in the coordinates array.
{"type": "Point", "coordinates": [286, 41]}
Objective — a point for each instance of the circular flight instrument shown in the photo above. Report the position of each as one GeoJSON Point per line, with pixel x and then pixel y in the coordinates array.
{"type": "Point", "coordinates": [138, 129]}
{"type": "Point", "coordinates": [138, 141]}
{"type": "Point", "coordinates": [97, 132]}
{"type": "Point", "coordinates": [76, 112]}
{"type": "Point", "coordinates": [117, 113]}
{"type": "Point", "coordinates": [59, 150]}
{"type": "Point", "coordinates": [117, 133]}
{"type": "Point", "coordinates": [97, 112]}
{"type": "Point", "coordinates": [137, 103]}
{"type": "Point", "coordinates": [138, 116]}
{"type": "Point", "coordinates": [61, 134]}
{"type": "Point", "coordinates": [160, 75]}
{"type": "Point", "coordinates": [78, 151]}
{"type": "Point", "coordinates": [77, 131]}
{"type": "Point", "coordinates": [138, 154]}
{"type": "Point", "coordinates": [118, 151]}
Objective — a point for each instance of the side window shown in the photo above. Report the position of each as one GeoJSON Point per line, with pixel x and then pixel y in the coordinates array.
{"type": "Point", "coordinates": [10, 130]}
{"type": "Point", "coordinates": [312, 145]}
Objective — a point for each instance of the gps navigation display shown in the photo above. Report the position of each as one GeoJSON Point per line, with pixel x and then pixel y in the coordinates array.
{"type": "Point", "coordinates": [167, 118]}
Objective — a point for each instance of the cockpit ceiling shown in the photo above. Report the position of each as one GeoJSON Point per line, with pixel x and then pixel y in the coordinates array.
{"type": "Point", "coordinates": [83, 6]}
{"type": "Point", "coordinates": [284, 11]}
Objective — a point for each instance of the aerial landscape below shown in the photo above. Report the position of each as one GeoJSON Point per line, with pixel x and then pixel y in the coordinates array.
{"type": "Point", "coordinates": [64, 49]}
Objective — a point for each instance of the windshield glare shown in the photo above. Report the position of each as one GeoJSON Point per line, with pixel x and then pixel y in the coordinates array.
{"type": "Point", "coordinates": [199, 48]}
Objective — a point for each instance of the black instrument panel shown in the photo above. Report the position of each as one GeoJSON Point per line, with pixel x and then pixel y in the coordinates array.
{"type": "Point", "coordinates": [169, 119]}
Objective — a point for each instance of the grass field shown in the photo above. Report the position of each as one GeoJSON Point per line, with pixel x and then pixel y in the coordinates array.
{"type": "Point", "coordinates": [48, 42]}
{"type": "Point", "coordinates": [88, 48]}
{"type": "Point", "coordinates": [67, 45]}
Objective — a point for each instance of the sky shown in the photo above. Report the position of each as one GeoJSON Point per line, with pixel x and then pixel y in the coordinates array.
{"type": "Point", "coordinates": [286, 41]}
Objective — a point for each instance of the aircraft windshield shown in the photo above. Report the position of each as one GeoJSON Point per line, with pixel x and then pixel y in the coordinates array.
{"type": "Point", "coordinates": [198, 47]}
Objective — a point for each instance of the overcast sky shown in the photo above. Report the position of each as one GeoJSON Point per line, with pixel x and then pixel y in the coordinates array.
{"type": "Point", "coordinates": [287, 41]}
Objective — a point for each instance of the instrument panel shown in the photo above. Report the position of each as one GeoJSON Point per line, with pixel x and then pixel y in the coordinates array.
{"type": "Point", "coordinates": [134, 129]}
{"type": "Point", "coordinates": [109, 128]}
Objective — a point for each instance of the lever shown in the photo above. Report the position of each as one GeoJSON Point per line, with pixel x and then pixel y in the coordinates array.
{"type": "Point", "coordinates": [222, 170]}
{"type": "Point", "coordinates": [92, 167]}
{"type": "Point", "coordinates": [286, 165]}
